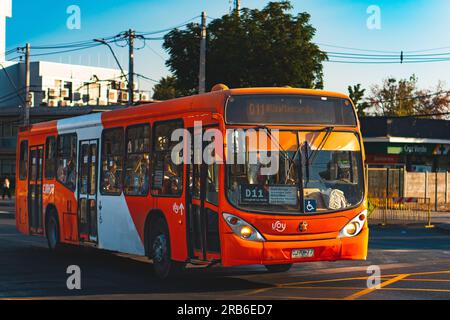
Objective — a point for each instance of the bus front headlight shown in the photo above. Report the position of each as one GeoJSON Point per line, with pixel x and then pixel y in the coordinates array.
{"type": "Point", "coordinates": [242, 228]}
{"type": "Point", "coordinates": [354, 227]}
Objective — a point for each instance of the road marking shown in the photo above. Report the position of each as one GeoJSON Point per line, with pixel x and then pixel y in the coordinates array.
{"type": "Point", "coordinates": [253, 292]}
{"type": "Point", "coordinates": [359, 288]}
{"type": "Point", "coordinates": [330, 280]}
{"type": "Point", "coordinates": [427, 280]}
{"type": "Point", "coordinates": [417, 289]}
{"type": "Point", "coordinates": [366, 291]}
{"type": "Point", "coordinates": [422, 273]}
{"type": "Point", "coordinates": [296, 298]}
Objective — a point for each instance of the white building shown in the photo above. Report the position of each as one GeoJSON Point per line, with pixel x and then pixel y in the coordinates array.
{"type": "Point", "coordinates": [5, 12]}
{"type": "Point", "coordinates": [57, 84]}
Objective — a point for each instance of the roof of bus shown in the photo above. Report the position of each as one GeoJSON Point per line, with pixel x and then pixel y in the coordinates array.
{"type": "Point", "coordinates": [286, 90]}
{"type": "Point", "coordinates": [185, 104]}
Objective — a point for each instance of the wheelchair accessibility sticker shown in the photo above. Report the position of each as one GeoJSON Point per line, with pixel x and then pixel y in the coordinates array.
{"type": "Point", "coordinates": [310, 205]}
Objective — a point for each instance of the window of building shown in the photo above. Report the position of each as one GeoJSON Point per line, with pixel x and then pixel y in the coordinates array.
{"type": "Point", "coordinates": [23, 160]}
{"type": "Point", "coordinates": [112, 161]}
{"type": "Point", "coordinates": [50, 158]}
{"type": "Point", "coordinates": [6, 129]}
{"type": "Point", "coordinates": [167, 176]}
{"type": "Point", "coordinates": [8, 168]}
{"type": "Point", "coordinates": [137, 162]}
{"type": "Point", "coordinates": [67, 160]}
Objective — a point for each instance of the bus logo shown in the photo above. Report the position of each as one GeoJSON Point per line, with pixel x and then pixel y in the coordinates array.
{"type": "Point", "coordinates": [303, 227]}
{"type": "Point", "coordinates": [279, 226]}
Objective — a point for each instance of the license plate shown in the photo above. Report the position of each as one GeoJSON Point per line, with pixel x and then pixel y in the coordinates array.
{"type": "Point", "coordinates": [302, 253]}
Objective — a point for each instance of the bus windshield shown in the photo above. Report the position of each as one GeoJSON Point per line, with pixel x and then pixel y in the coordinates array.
{"type": "Point", "coordinates": [317, 172]}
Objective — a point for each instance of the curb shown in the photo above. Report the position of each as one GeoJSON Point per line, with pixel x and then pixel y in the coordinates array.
{"type": "Point", "coordinates": [11, 216]}
{"type": "Point", "coordinates": [443, 226]}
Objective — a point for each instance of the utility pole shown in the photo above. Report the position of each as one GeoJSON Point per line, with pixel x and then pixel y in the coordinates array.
{"type": "Point", "coordinates": [131, 36]}
{"type": "Point", "coordinates": [237, 6]}
{"type": "Point", "coordinates": [202, 71]}
{"type": "Point", "coordinates": [27, 86]}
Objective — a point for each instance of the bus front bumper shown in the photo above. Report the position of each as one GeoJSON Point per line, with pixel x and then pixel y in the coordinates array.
{"type": "Point", "coordinates": [236, 251]}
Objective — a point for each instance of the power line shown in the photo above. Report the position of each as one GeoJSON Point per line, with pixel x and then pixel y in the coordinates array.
{"type": "Point", "coordinates": [183, 24]}
{"type": "Point", "coordinates": [408, 98]}
{"type": "Point", "coordinates": [145, 77]}
{"type": "Point", "coordinates": [12, 84]}
{"type": "Point", "coordinates": [64, 51]}
{"type": "Point", "coordinates": [355, 49]}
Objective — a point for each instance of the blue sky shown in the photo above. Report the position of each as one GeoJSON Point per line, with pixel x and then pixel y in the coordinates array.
{"type": "Point", "coordinates": [405, 25]}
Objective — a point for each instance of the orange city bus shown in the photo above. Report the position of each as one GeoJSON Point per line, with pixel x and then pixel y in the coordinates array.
{"type": "Point", "coordinates": [114, 180]}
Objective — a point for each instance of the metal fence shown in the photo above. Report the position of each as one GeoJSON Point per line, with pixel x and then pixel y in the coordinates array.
{"type": "Point", "coordinates": [390, 183]}
{"type": "Point", "coordinates": [401, 210]}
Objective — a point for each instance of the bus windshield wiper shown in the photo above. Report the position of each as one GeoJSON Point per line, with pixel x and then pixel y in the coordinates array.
{"type": "Point", "coordinates": [281, 149]}
{"type": "Point", "coordinates": [320, 146]}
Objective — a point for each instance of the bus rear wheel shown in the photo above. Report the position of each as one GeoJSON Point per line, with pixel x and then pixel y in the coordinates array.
{"type": "Point", "coordinates": [52, 232]}
{"type": "Point", "coordinates": [163, 264]}
{"type": "Point", "coordinates": [278, 268]}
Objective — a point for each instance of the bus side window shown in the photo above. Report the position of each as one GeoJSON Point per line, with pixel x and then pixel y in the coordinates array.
{"type": "Point", "coordinates": [67, 160]}
{"type": "Point", "coordinates": [167, 176]}
{"type": "Point", "coordinates": [23, 161]}
{"type": "Point", "coordinates": [137, 162]}
{"type": "Point", "coordinates": [112, 161]}
{"type": "Point", "coordinates": [50, 158]}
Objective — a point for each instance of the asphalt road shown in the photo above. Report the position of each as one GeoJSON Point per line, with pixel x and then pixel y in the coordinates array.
{"type": "Point", "coordinates": [414, 264]}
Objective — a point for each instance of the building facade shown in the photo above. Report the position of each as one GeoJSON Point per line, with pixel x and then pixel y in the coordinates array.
{"type": "Point", "coordinates": [66, 85]}
{"type": "Point", "coordinates": [418, 145]}
{"type": "Point", "coordinates": [12, 118]}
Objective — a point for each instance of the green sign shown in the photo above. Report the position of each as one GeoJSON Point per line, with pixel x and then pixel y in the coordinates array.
{"type": "Point", "coordinates": [407, 148]}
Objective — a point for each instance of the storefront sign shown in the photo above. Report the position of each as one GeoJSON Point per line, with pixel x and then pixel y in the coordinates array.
{"type": "Point", "coordinates": [383, 159]}
{"type": "Point", "coordinates": [407, 149]}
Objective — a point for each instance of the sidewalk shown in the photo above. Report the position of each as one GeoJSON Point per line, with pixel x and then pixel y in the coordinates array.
{"type": "Point", "coordinates": [441, 220]}
{"type": "Point", "coordinates": [7, 208]}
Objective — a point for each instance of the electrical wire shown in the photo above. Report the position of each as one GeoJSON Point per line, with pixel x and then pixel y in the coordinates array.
{"type": "Point", "coordinates": [408, 98]}
{"type": "Point", "coordinates": [12, 84]}
{"type": "Point", "coordinates": [183, 24]}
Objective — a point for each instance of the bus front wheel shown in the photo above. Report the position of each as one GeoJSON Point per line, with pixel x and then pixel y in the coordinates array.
{"type": "Point", "coordinates": [163, 264]}
{"type": "Point", "coordinates": [278, 268]}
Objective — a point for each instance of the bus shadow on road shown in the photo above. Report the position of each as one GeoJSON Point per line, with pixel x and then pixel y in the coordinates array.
{"type": "Point", "coordinates": [40, 273]}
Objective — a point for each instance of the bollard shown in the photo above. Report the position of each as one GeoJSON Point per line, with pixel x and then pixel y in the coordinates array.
{"type": "Point", "coordinates": [429, 225]}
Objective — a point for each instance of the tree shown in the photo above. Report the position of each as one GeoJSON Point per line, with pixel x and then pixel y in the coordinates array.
{"type": "Point", "coordinates": [267, 47]}
{"type": "Point", "coordinates": [403, 98]}
{"type": "Point", "coordinates": [393, 98]}
{"type": "Point", "coordinates": [436, 102]}
{"type": "Point", "coordinates": [356, 93]}
{"type": "Point", "coordinates": [166, 89]}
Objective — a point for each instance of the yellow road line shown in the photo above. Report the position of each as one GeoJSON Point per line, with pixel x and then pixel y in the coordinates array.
{"type": "Point", "coordinates": [296, 298]}
{"type": "Point", "coordinates": [427, 280]}
{"type": "Point", "coordinates": [331, 280]}
{"type": "Point", "coordinates": [370, 290]}
{"type": "Point", "coordinates": [420, 273]}
{"type": "Point", "coordinates": [417, 289]}
{"type": "Point", "coordinates": [253, 292]}
{"type": "Point", "coordinates": [325, 288]}
{"type": "Point", "coordinates": [359, 288]}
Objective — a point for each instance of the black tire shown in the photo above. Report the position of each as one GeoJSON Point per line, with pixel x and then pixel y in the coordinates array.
{"type": "Point", "coordinates": [278, 268]}
{"type": "Point", "coordinates": [159, 247]}
{"type": "Point", "coordinates": [52, 232]}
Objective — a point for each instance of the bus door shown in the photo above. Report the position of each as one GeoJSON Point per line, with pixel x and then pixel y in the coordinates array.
{"type": "Point", "coordinates": [202, 205]}
{"type": "Point", "coordinates": [87, 191]}
{"type": "Point", "coordinates": [35, 190]}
